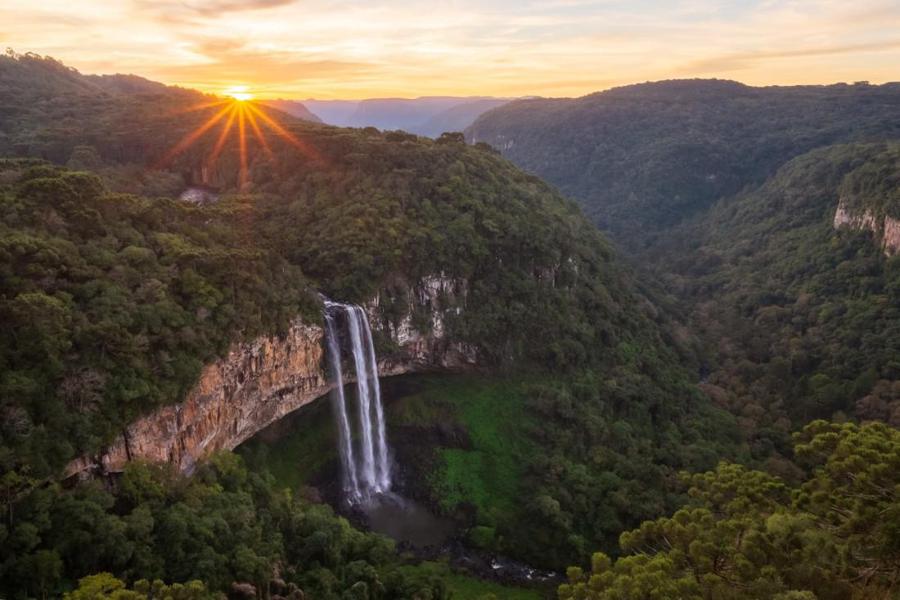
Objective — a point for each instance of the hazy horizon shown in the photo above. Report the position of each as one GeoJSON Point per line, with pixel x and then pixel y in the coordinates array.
{"type": "Point", "coordinates": [561, 48]}
{"type": "Point", "coordinates": [261, 96]}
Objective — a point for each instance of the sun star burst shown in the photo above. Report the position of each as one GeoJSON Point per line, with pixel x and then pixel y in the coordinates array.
{"type": "Point", "coordinates": [238, 111]}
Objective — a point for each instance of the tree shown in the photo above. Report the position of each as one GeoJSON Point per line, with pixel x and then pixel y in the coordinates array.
{"type": "Point", "coordinates": [744, 537]}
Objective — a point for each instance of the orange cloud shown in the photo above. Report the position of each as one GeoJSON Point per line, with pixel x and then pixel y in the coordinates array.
{"type": "Point", "coordinates": [342, 48]}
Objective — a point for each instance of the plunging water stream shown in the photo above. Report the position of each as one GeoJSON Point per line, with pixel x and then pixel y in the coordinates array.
{"type": "Point", "coordinates": [345, 439]}
{"type": "Point", "coordinates": [365, 461]}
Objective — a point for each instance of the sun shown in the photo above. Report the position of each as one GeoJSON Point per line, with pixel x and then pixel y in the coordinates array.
{"type": "Point", "coordinates": [235, 113]}
{"type": "Point", "coordinates": [239, 93]}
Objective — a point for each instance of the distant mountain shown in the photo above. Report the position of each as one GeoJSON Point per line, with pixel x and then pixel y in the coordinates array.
{"type": "Point", "coordinates": [641, 158]}
{"type": "Point", "coordinates": [294, 108]}
{"type": "Point", "coordinates": [428, 116]}
{"type": "Point", "coordinates": [333, 112]}
{"type": "Point", "coordinates": [458, 117]}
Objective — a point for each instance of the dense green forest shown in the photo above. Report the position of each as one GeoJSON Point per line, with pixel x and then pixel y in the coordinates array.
{"type": "Point", "coordinates": [801, 320]}
{"type": "Point", "coordinates": [734, 191]}
{"type": "Point", "coordinates": [222, 525]}
{"type": "Point", "coordinates": [748, 534]}
{"type": "Point", "coordinates": [641, 158]}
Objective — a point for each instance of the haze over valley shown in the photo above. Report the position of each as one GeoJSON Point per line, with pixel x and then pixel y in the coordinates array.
{"type": "Point", "coordinates": [427, 116]}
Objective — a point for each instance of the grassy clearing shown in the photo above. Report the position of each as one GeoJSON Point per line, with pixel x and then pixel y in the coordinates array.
{"type": "Point", "coordinates": [492, 413]}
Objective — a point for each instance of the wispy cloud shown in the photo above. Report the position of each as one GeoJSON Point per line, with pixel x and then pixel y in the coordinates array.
{"type": "Point", "coordinates": [206, 7]}
{"type": "Point", "coordinates": [343, 48]}
{"type": "Point", "coordinates": [746, 60]}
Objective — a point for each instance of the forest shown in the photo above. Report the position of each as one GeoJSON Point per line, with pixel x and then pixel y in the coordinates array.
{"type": "Point", "coordinates": [748, 534]}
{"type": "Point", "coordinates": [643, 158]}
{"type": "Point", "coordinates": [797, 317]}
{"type": "Point", "coordinates": [709, 412]}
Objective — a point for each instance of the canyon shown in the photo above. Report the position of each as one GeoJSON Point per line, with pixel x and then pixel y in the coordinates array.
{"type": "Point", "coordinates": [260, 381]}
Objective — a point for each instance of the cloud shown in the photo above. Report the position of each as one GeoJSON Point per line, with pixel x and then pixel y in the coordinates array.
{"type": "Point", "coordinates": [744, 60]}
{"type": "Point", "coordinates": [207, 7]}
{"type": "Point", "coordinates": [333, 48]}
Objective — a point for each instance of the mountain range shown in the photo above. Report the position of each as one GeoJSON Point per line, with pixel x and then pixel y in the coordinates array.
{"type": "Point", "coordinates": [428, 116]}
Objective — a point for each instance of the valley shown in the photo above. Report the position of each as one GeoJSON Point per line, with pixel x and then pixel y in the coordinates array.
{"type": "Point", "coordinates": [644, 343]}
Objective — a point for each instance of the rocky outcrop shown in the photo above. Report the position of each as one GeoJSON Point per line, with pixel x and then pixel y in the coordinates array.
{"type": "Point", "coordinates": [431, 301]}
{"type": "Point", "coordinates": [258, 382]}
{"type": "Point", "coordinates": [891, 236]}
{"type": "Point", "coordinates": [885, 229]}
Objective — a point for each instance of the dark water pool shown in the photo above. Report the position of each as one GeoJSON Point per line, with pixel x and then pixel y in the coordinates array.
{"type": "Point", "coordinates": [406, 521]}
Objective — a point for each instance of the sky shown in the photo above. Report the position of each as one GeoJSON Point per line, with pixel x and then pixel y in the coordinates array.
{"type": "Point", "coordinates": [406, 48]}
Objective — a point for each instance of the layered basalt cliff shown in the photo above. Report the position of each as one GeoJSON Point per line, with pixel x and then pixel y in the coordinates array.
{"type": "Point", "coordinates": [886, 229]}
{"type": "Point", "coordinates": [258, 382]}
{"type": "Point", "coordinates": [420, 330]}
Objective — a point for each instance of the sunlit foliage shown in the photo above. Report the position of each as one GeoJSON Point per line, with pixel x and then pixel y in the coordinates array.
{"type": "Point", "coordinates": [748, 535]}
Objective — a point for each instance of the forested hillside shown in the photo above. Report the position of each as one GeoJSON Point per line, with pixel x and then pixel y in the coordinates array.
{"type": "Point", "coordinates": [803, 320]}
{"type": "Point", "coordinates": [749, 206]}
{"type": "Point", "coordinates": [294, 108]}
{"type": "Point", "coordinates": [114, 295]}
{"type": "Point", "coordinates": [799, 319]}
{"type": "Point", "coordinates": [641, 158]}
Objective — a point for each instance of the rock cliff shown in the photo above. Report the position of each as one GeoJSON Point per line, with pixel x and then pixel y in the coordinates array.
{"type": "Point", "coordinates": [258, 382]}
{"type": "Point", "coordinates": [886, 229]}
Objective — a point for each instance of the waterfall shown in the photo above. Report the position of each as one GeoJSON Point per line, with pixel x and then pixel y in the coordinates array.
{"type": "Point", "coordinates": [339, 403]}
{"type": "Point", "coordinates": [383, 463]}
{"type": "Point", "coordinates": [370, 473]}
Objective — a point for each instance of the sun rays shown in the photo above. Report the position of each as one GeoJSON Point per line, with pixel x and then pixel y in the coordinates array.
{"type": "Point", "coordinates": [238, 112]}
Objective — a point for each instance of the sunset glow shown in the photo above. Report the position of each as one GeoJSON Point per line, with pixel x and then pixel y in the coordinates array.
{"type": "Point", "coordinates": [229, 126]}
{"type": "Point", "coordinates": [344, 49]}
{"type": "Point", "coordinates": [239, 93]}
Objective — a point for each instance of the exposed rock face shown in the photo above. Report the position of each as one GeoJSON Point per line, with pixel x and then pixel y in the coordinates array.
{"type": "Point", "coordinates": [430, 301]}
{"type": "Point", "coordinates": [259, 382]}
{"type": "Point", "coordinates": [891, 236]}
{"type": "Point", "coordinates": [884, 228]}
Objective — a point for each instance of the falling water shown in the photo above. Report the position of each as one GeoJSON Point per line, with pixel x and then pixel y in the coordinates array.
{"type": "Point", "coordinates": [383, 463]}
{"type": "Point", "coordinates": [367, 468]}
{"type": "Point", "coordinates": [371, 473]}
{"type": "Point", "coordinates": [351, 484]}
